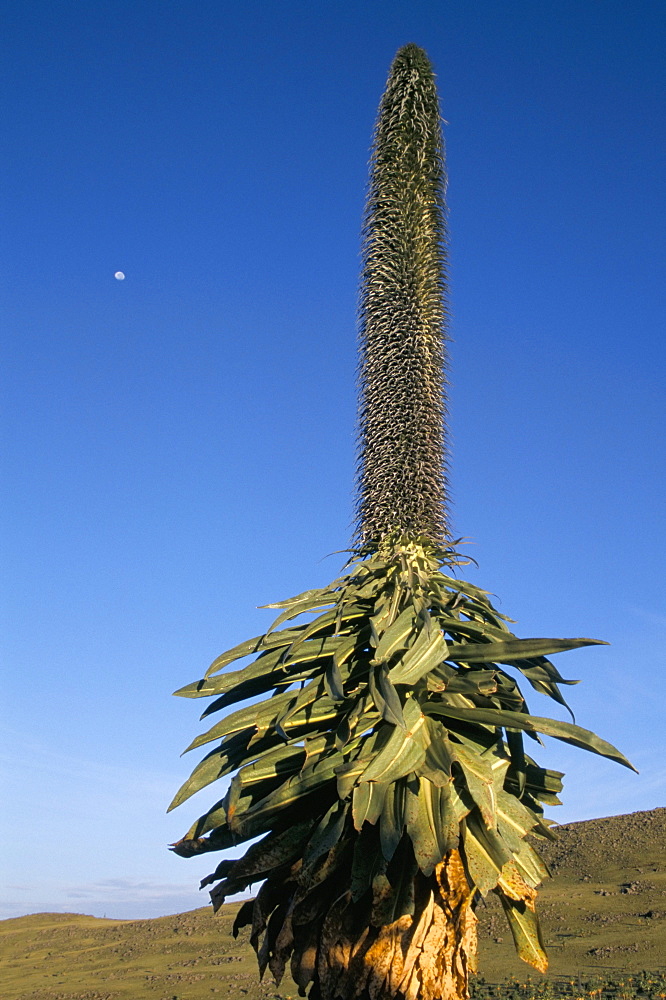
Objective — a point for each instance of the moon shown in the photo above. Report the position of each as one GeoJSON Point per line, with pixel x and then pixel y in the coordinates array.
{"type": "Point", "coordinates": [119, 276]}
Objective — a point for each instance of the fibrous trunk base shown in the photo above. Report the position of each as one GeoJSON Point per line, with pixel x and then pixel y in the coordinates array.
{"type": "Point", "coordinates": [427, 956]}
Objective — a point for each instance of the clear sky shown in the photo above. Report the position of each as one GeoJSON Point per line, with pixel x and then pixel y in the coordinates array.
{"type": "Point", "coordinates": [179, 447]}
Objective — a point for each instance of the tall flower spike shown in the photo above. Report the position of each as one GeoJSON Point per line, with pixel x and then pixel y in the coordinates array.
{"type": "Point", "coordinates": [381, 758]}
{"type": "Point", "coordinates": [401, 472]}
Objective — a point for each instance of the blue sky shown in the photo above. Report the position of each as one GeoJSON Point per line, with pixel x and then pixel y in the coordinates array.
{"type": "Point", "coordinates": [179, 447]}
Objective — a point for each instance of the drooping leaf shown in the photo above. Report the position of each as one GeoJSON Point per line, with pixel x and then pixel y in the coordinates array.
{"type": "Point", "coordinates": [367, 802]}
{"type": "Point", "coordinates": [514, 820]}
{"type": "Point", "coordinates": [220, 872]}
{"type": "Point", "coordinates": [439, 753]}
{"type": "Point", "coordinates": [449, 807]}
{"type": "Point", "coordinates": [348, 645]}
{"type": "Point", "coordinates": [529, 865]}
{"type": "Point", "coordinates": [367, 863]}
{"type": "Point", "coordinates": [393, 893]}
{"type": "Point", "coordinates": [514, 741]}
{"type": "Point", "coordinates": [421, 823]}
{"type": "Point", "coordinates": [215, 817]}
{"type": "Point", "coordinates": [526, 931]}
{"type": "Point", "coordinates": [273, 850]}
{"type": "Point", "coordinates": [333, 681]}
{"type": "Point", "coordinates": [366, 747]}
{"type": "Point", "coordinates": [564, 731]}
{"type": "Point", "coordinates": [392, 820]}
{"type": "Point", "coordinates": [243, 917]}
{"type": "Point", "coordinates": [219, 839]}
{"type": "Point", "coordinates": [327, 832]}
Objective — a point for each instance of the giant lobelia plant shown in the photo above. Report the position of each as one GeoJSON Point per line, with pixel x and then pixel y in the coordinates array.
{"type": "Point", "coordinates": [381, 757]}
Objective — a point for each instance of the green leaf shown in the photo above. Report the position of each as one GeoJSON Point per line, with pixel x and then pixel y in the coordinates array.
{"type": "Point", "coordinates": [476, 631]}
{"type": "Point", "coordinates": [541, 781]}
{"type": "Point", "coordinates": [222, 760]}
{"type": "Point", "coordinates": [526, 932]}
{"type": "Point", "coordinates": [514, 820]}
{"type": "Point", "coordinates": [472, 683]}
{"type": "Point", "coordinates": [396, 636]}
{"type": "Point", "coordinates": [448, 807]}
{"type": "Point", "coordinates": [514, 742]}
{"type": "Point", "coordinates": [479, 779]}
{"type": "Point", "coordinates": [310, 877]}
{"type": "Point", "coordinates": [348, 773]}
{"type": "Point", "coordinates": [217, 816]}
{"type": "Point", "coordinates": [424, 655]}
{"type": "Point", "coordinates": [401, 872]}
{"type": "Point", "coordinates": [530, 866]}
{"type": "Point", "coordinates": [255, 645]}
{"type": "Point", "coordinates": [564, 731]}
{"type": "Point", "coordinates": [439, 754]}
{"type": "Point", "coordinates": [325, 595]}
{"type": "Point", "coordinates": [281, 762]}
{"type": "Point", "coordinates": [367, 863]}
{"type": "Point", "coordinates": [485, 853]}
{"type": "Point", "coordinates": [253, 716]}
{"type": "Point", "coordinates": [330, 620]}
{"type": "Point", "coordinates": [273, 850]}
{"type": "Point", "coordinates": [349, 645]}
{"type": "Point", "coordinates": [295, 788]}
{"type": "Point", "coordinates": [386, 610]}
{"type": "Point", "coordinates": [385, 696]}
{"type": "Point", "coordinates": [510, 650]}
{"type": "Point", "coordinates": [421, 823]}
{"type": "Point", "coordinates": [317, 600]}
{"type": "Point", "coordinates": [392, 820]}
{"type": "Point", "coordinates": [327, 832]}
{"type": "Point", "coordinates": [359, 714]}
{"type": "Point", "coordinates": [219, 840]}
{"type": "Point", "coordinates": [367, 802]}
{"type": "Point", "coordinates": [311, 708]}
{"type": "Point", "coordinates": [269, 670]}
{"type": "Point", "coordinates": [405, 749]}
{"type": "Point", "coordinates": [333, 681]}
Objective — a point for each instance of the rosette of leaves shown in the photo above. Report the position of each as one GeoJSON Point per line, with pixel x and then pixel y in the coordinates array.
{"type": "Point", "coordinates": [381, 759]}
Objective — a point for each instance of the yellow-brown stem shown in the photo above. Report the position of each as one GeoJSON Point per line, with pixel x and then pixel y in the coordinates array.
{"type": "Point", "coordinates": [427, 956]}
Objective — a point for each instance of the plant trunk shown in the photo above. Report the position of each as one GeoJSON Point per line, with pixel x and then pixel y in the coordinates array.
{"type": "Point", "coordinates": [427, 956]}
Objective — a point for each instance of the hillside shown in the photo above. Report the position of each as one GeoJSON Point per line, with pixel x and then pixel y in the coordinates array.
{"type": "Point", "coordinates": [604, 911]}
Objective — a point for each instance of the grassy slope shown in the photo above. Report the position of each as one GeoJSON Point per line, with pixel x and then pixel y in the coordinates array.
{"type": "Point", "coordinates": [609, 874]}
